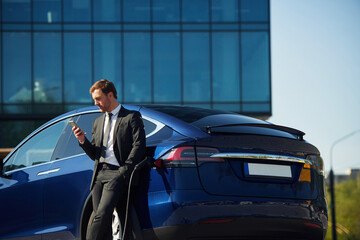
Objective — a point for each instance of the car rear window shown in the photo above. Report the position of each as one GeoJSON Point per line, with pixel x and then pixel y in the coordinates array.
{"type": "Point", "coordinates": [203, 118]}
{"type": "Point", "coordinates": [186, 114]}
{"type": "Point", "coordinates": [200, 117]}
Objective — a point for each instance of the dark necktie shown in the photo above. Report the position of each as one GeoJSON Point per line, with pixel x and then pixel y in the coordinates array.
{"type": "Point", "coordinates": [106, 137]}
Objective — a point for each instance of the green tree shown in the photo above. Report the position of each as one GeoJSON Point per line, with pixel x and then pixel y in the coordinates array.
{"type": "Point", "coordinates": [347, 204]}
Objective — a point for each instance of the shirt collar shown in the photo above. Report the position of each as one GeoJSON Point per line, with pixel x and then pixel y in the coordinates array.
{"type": "Point", "coordinates": [116, 110]}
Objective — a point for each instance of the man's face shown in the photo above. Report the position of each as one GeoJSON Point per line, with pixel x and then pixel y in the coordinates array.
{"type": "Point", "coordinates": [101, 100]}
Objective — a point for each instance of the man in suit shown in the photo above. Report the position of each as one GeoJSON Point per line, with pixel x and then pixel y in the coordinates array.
{"type": "Point", "coordinates": [117, 145]}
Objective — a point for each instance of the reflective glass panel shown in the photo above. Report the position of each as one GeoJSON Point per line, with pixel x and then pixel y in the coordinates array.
{"type": "Point", "coordinates": [254, 10]}
{"type": "Point", "coordinates": [225, 66]}
{"type": "Point", "coordinates": [257, 107]}
{"type": "Point", "coordinates": [47, 68]}
{"type": "Point", "coordinates": [68, 145]}
{"type": "Point", "coordinates": [47, 11]}
{"type": "Point", "coordinates": [48, 109]}
{"type": "Point", "coordinates": [107, 59]}
{"type": "Point", "coordinates": [166, 11]}
{"type": "Point", "coordinates": [17, 67]}
{"type": "Point", "coordinates": [136, 11]}
{"type": "Point", "coordinates": [77, 67]}
{"type": "Point", "coordinates": [16, 11]}
{"type": "Point", "coordinates": [196, 67]}
{"type": "Point", "coordinates": [22, 108]}
{"type": "Point", "coordinates": [195, 11]}
{"type": "Point", "coordinates": [225, 10]}
{"type": "Point", "coordinates": [167, 85]}
{"type": "Point", "coordinates": [107, 11]}
{"type": "Point", "coordinates": [227, 107]}
{"type": "Point", "coordinates": [255, 66]}
{"type": "Point", "coordinates": [13, 132]}
{"type": "Point", "coordinates": [77, 10]}
{"type": "Point", "coordinates": [38, 149]}
{"type": "Point", "coordinates": [137, 67]}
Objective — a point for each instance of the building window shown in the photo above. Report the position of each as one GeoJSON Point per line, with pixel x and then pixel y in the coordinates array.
{"type": "Point", "coordinates": [254, 10]}
{"type": "Point", "coordinates": [167, 75]}
{"type": "Point", "coordinates": [77, 11]}
{"type": "Point", "coordinates": [166, 11]}
{"type": "Point", "coordinates": [225, 10]}
{"type": "Point", "coordinates": [77, 67]}
{"type": "Point", "coordinates": [136, 11]}
{"type": "Point", "coordinates": [137, 68]}
{"type": "Point", "coordinates": [195, 11]}
{"type": "Point", "coordinates": [107, 11]}
{"type": "Point", "coordinates": [226, 66]}
{"type": "Point", "coordinates": [196, 68]}
{"type": "Point", "coordinates": [255, 66]}
{"type": "Point", "coordinates": [107, 58]}
{"type": "Point", "coordinates": [48, 11]}
{"type": "Point", "coordinates": [47, 68]}
{"type": "Point", "coordinates": [16, 11]}
{"type": "Point", "coordinates": [17, 67]}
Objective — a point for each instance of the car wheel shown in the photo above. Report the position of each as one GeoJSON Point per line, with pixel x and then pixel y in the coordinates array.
{"type": "Point", "coordinates": [115, 226]}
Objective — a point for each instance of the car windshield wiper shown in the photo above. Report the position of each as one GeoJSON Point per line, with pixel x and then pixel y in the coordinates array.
{"type": "Point", "coordinates": [298, 133]}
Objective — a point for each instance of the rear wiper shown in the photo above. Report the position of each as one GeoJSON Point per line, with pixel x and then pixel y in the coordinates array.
{"type": "Point", "coordinates": [298, 133]}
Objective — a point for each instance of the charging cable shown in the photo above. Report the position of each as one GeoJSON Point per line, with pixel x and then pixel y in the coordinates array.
{"type": "Point", "coordinates": [137, 166]}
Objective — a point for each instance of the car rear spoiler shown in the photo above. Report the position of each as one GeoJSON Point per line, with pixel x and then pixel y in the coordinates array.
{"type": "Point", "coordinates": [298, 133]}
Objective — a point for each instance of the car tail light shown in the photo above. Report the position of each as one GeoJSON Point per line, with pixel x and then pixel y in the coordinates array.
{"type": "Point", "coordinates": [313, 225]}
{"type": "Point", "coordinates": [305, 175]}
{"type": "Point", "coordinates": [186, 157]}
{"type": "Point", "coordinates": [204, 154]}
{"type": "Point", "coordinates": [317, 164]}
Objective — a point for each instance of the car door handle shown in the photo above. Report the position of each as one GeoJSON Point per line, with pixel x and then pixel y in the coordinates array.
{"type": "Point", "coordinates": [48, 171]}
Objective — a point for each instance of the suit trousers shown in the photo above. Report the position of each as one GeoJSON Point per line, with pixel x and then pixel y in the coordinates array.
{"type": "Point", "coordinates": [108, 188]}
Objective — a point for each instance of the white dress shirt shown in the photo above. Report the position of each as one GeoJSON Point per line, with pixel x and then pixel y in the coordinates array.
{"type": "Point", "coordinates": [109, 156]}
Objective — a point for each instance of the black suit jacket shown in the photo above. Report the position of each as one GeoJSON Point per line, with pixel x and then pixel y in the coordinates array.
{"type": "Point", "coordinates": [129, 141]}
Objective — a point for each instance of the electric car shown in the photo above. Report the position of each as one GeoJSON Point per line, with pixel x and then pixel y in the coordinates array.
{"type": "Point", "coordinates": [208, 174]}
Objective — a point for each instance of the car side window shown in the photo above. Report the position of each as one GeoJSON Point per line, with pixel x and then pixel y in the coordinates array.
{"type": "Point", "coordinates": [68, 145]}
{"type": "Point", "coordinates": [155, 131]}
{"type": "Point", "coordinates": [149, 126]}
{"type": "Point", "coordinates": [85, 122]}
{"type": "Point", "coordinates": [38, 149]}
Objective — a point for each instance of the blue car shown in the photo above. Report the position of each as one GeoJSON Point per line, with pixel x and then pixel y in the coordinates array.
{"type": "Point", "coordinates": [209, 175]}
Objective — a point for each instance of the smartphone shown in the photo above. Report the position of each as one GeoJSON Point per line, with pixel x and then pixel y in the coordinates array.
{"type": "Point", "coordinates": [72, 123]}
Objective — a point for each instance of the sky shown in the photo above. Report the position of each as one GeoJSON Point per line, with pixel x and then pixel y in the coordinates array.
{"type": "Point", "coordinates": [315, 71]}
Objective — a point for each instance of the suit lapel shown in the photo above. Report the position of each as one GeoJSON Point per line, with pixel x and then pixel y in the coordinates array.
{"type": "Point", "coordinates": [101, 129]}
{"type": "Point", "coordinates": [118, 121]}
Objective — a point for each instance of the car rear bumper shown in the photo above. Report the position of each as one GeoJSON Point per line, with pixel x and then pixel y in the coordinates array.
{"type": "Point", "coordinates": [224, 217]}
{"type": "Point", "coordinates": [241, 228]}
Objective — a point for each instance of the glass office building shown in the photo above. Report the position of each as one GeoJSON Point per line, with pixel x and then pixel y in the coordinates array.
{"type": "Point", "coordinates": [206, 53]}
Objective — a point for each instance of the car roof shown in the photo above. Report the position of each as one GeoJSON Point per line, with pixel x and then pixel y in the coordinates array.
{"type": "Point", "coordinates": [193, 121]}
{"type": "Point", "coordinates": [153, 112]}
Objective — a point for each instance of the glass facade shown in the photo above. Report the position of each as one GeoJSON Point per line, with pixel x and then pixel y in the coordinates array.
{"type": "Point", "coordinates": [206, 53]}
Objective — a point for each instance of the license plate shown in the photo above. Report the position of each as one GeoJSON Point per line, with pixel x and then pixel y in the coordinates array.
{"type": "Point", "coordinates": [267, 170]}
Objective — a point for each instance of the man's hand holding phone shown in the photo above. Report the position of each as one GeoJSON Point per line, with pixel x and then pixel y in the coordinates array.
{"type": "Point", "coordinates": [79, 134]}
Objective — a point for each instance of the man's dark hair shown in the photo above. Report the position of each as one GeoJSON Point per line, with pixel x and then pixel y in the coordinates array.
{"type": "Point", "coordinates": [105, 86]}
